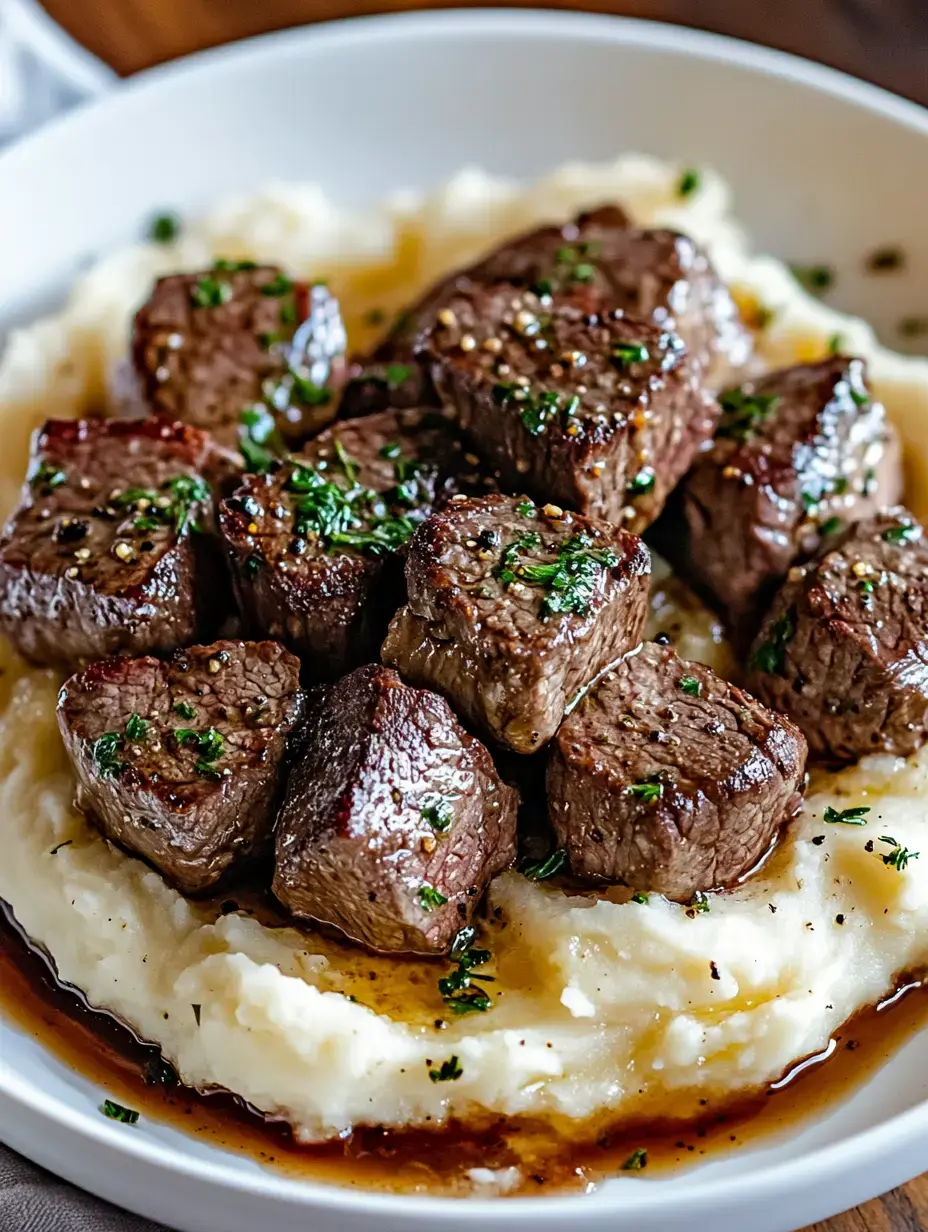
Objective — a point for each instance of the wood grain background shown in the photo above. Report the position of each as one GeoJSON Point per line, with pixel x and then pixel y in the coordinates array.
{"type": "Point", "coordinates": [884, 41]}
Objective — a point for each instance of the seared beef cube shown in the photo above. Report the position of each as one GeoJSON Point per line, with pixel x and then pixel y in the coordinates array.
{"type": "Point", "coordinates": [513, 608]}
{"type": "Point", "coordinates": [670, 779]}
{"type": "Point", "coordinates": [395, 819]}
{"type": "Point", "coordinates": [844, 649]}
{"type": "Point", "coordinates": [241, 349]}
{"type": "Point", "coordinates": [182, 761]}
{"type": "Point", "coordinates": [573, 401]}
{"type": "Point", "coordinates": [98, 558]}
{"type": "Point", "coordinates": [797, 454]}
{"type": "Point", "coordinates": [316, 543]}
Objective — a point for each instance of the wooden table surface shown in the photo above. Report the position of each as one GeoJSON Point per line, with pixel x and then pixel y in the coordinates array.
{"type": "Point", "coordinates": [885, 41]}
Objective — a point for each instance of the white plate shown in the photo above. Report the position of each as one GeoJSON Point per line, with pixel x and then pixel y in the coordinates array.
{"type": "Point", "coordinates": [823, 169]}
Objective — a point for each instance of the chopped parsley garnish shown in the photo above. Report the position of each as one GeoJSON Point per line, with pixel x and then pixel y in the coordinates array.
{"type": "Point", "coordinates": [164, 229]}
{"type": "Point", "coordinates": [430, 898]}
{"type": "Point", "coordinates": [573, 265]}
{"type": "Point", "coordinates": [689, 182]}
{"type": "Point", "coordinates": [279, 285]}
{"type": "Point", "coordinates": [636, 1161]}
{"type": "Point", "coordinates": [391, 450]}
{"type": "Point", "coordinates": [260, 442]}
{"type": "Point", "coordinates": [229, 266]}
{"type": "Point", "coordinates": [339, 516]}
{"type": "Point", "coordinates": [643, 483]}
{"type": "Point", "coordinates": [136, 728]}
{"type": "Point", "coordinates": [830, 526]}
{"type": "Point", "coordinates": [48, 476]}
{"type": "Point", "coordinates": [639, 897]}
{"type": "Point", "coordinates": [650, 790]}
{"type": "Point", "coordinates": [526, 509]}
{"type": "Point", "coordinates": [105, 753]}
{"type": "Point", "coordinates": [690, 685]}
{"type": "Point", "coordinates": [816, 279]}
{"type": "Point", "coordinates": [294, 388]}
{"type": "Point", "coordinates": [770, 656]}
{"type": "Point", "coordinates": [743, 413]}
{"type": "Point", "coordinates": [208, 744]}
{"type": "Point", "coordinates": [437, 812]}
{"type": "Point", "coordinates": [116, 1112]}
{"type": "Point", "coordinates": [699, 904]}
{"type": "Point", "coordinates": [396, 374]}
{"type": "Point", "coordinates": [541, 870]}
{"type": "Point", "coordinates": [211, 292]}
{"type": "Point", "coordinates": [834, 344]}
{"type": "Point", "coordinates": [173, 503]}
{"type": "Point", "coordinates": [185, 710]}
{"type": "Point", "coordinates": [627, 353]}
{"type": "Point", "coordinates": [847, 817]}
{"type": "Point", "coordinates": [535, 410]}
{"type": "Point", "coordinates": [570, 581]}
{"type": "Point", "coordinates": [905, 532]}
{"type": "Point", "coordinates": [898, 857]}
{"type": "Point", "coordinates": [866, 587]}
{"type": "Point", "coordinates": [448, 1071]}
{"type": "Point", "coordinates": [457, 989]}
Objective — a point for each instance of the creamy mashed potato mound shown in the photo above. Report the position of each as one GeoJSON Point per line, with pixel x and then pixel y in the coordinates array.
{"type": "Point", "coordinates": [602, 1008]}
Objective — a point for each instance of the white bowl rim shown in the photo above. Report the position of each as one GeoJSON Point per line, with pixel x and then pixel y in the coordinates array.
{"type": "Point", "coordinates": [868, 1148]}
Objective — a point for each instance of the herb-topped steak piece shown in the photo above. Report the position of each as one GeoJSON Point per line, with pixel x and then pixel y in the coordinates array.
{"type": "Point", "coordinates": [99, 558]}
{"type": "Point", "coordinates": [572, 400]}
{"type": "Point", "coordinates": [316, 543]}
{"type": "Point", "coordinates": [513, 608]}
{"type": "Point", "coordinates": [670, 779]}
{"type": "Point", "coordinates": [241, 350]}
{"type": "Point", "coordinates": [182, 761]}
{"type": "Point", "coordinates": [796, 455]}
{"type": "Point", "coordinates": [395, 819]}
{"type": "Point", "coordinates": [844, 649]}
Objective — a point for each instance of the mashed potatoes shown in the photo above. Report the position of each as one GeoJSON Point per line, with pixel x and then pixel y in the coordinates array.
{"type": "Point", "coordinates": [601, 1009]}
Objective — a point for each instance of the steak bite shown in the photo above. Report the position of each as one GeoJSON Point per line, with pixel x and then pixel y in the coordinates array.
{"type": "Point", "coordinates": [573, 401]}
{"type": "Point", "coordinates": [796, 455]}
{"type": "Point", "coordinates": [670, 779]}
{"type": "Point", "coordinates": [316, 543]}
{"type": "Point", "coordinates": [215, 347]}
{"type": "Point", "coordinates": [844, 649]}
{"type": "Point", "coordinates": [181, 762]}
{"type": "Point", "coordinates": [513, 608]}
{"type": "Point", "coordinates": [99, 557]}
{"type": "Point", "coordinates": [395, 819]}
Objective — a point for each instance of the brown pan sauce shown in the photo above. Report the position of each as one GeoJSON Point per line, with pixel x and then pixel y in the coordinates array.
{"type": "Point", "coordinates": [127, 1070]}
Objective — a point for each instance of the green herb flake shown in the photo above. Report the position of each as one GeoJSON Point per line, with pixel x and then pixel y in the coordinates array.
{"type": "Point", "coordinates": [899, 857]}
{"type": "Point", "coordinates": [279, 285]}
{"type": "Point", "coordinates": [743, 413]}
{"type": "Point", "coordinates": [816, 279]}
{"type": "Point", "coordinates": [846, 817]}
{"type": "Point", "coordinates": [770, 656]}
{"type": "Point", "coordinates": [449, 1071]}
{"type": "Point", "coordinates": [397, 374]}
{"type": "Point", "coordinates": [211, 292]}
{"type": "Point", "coordinates": [260, 442]}
{"type": "Point", "coordinates": [830, 526]}
{"type": "Point", "coordinates": [834, 344]}
{"type": "Point", "coordinates": [688, 183]}
{"type": "Point", "coordinates": [136, 728]}
{"type": "Point", "coordinates": [691, 685]}
{"type": "Point", "coordinates": [636, 1161]}
{"type": "Point", "coordinates": [116, 1112]}
{"type": "Point", "coordinates": [541, 870]}
{"type": "Point", "coordinates": [526, 509]}
{"type": "Point", "coordinates": [391, 450]}
{"type": "Point", "coordinates": [698, 905]}
{"type": "Point", "coordinates": [105, 755]}
{"type": "Point", "coordinates": [905, 532]}
{"type": "Point", "coordinates": [164, 228]}
{"type": "Point", "coordinates": [438, 812]}
{"type": "Point", "coordinates": [229, 265]}
{"type": "Point", "coordinates": [639, 897]}
{"type": "Point", "coordinates": [650, 790]}
{"type": "Point", "coordinates": [570, 581]}
{"type": "Point", "coordinates": [643, 483]}
{"type": "Point", "coordinates": [185, 710]}
{"type": "Point", "coordinates": [457, 988]}
{"type": "Point", "coordinates": [48, 476]}
{"type": "Point", "coordinates": [430, 898]}
{"type": "Point", "coordinates": [627, 353]}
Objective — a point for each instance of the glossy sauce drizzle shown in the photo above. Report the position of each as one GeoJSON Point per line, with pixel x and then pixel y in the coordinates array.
{"type": "Point", "coordinates": [129, 1071]}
